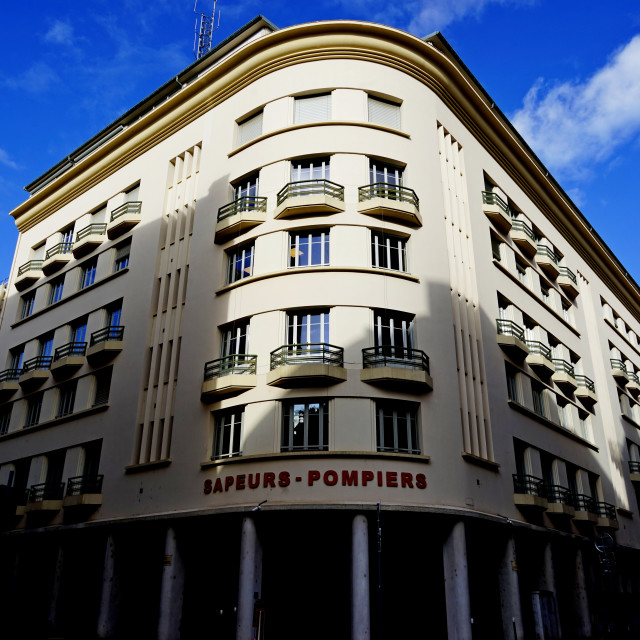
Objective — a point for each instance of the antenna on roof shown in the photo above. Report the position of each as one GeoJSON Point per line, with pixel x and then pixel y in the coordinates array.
{"type": "Point", "coordinates": [203, 36]}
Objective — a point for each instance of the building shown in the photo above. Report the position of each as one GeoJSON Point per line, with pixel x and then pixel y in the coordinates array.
{"type": "Point", "coordinates": [310, 341]}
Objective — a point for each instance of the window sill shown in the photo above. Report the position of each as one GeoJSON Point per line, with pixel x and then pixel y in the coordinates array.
{"type": "Point", "coordinates": [147, 466]}
{"type": "Point", "coordinates": [630, 420]}
{"type": "Point", "coordinates": [480, 462]}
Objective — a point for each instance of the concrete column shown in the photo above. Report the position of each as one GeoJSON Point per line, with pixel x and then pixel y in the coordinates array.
{"type": "Point", "coordinates": [250, 578]}
{"type": "Point", "coordinates": [512, 628]}
{"type": "Point", "coordinates": [55, 591]}
{"type": "Point", "coordinates": [545, 609]}
{"type": "Point", "coordinates": [109, 599]}
{"type": "Point", "coordinates": [171, 590]}
{"type": "Point", "coordinates": [360, 608]}
{"type": "Point", "coordinates": [456, 584]}
{"type": "Point", "coordinates": [580, 602]}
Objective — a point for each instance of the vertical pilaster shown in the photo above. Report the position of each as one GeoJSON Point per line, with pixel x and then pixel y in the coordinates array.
{"type": "Point", "coordinates": [580, 601]}
{"type": "Point", "coordinates": [250, 578]}
{"type": "Point", "coordinates": [109, 598]}
{"type": "Point", "coordinates": [360, 607]}
{"type": "Point", "coordinates": [171, 590]}
{"type": "Point", "coordinates": [456, 584]}
{"type": "Point", "coordinates": [512, 628]}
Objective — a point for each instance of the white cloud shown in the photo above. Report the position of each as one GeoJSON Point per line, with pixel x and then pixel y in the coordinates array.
{"type": "Point", "coordinates": [38, 78]}
{"type": "Point", "coordinates": [6, 160]}
{"type": "Point", "coordinates": [574, 124]}
{"type": "Point", "coordinates": [60, 32]}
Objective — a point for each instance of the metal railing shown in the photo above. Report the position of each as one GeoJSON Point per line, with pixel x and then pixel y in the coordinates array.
{"type": "Point", "coordinates": [107, 334]}
{"type": "Point", "coordinates": [58, 249]}
{"type": "Point", "coordinates": [46, 491]}
{"type": "Point", "coordinates": [618, 364]}
{"type": "Point", "coordinates": [543, 250]}
{"type": "Point", "coordinates": [391, 356]}
{"type": "Point", "coordinates": [562, 366]}
{"type": "Point", "coordinates": [39, 362]}
{"type": "Point", "coordinates": [309, 353]}
{"type": "Point", "coordinates": [311, 188]}
{"type": "Point", "coordinates": [238, 363]}
{"type": "Point", "coordinates": [128, 207]}
{"type": "Point", "coordinates": [81, 485]}
{"type": "Point", "coordinates": [32, 265]}
{"type": "Point", "coordinates": [585, 382]}
{"type": "Point", "coordinates": [582, 502]}
{"type": "Point", "coordinates": [489, 197]}
{"type": "Point", "coordinates": [539, 349]}
{"type": "Point", "coordinates": [634, 466]}
{"type": "Point", "coordinates": [633, 376]}
{"type": "Point", "coordinates": [567, 273]}
{"type": "Point", "coordinates": [558, 495]}
{"type": "Point", "coordinates": [97, 229]}
{"type": "Point", "coordinates": [388, 191]}
{"type": "Point", "coordinates": [520, 225]}
{"type": "Point", "coordinates": [510, 328]}
{"type": "Point", "coordinates": [606, 510]}
{"type": "Point", "coordinates": [9, 375]}
{"type": "Point", "coordinates": [70, 349]}
{"type": "Point", "coordinates": [528, 484]}
{"type": "Point", "coordinates": [246, 203]}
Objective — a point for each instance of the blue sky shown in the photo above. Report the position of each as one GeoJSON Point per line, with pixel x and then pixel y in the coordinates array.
{"type": "Point", "coordinates": [567, 73]}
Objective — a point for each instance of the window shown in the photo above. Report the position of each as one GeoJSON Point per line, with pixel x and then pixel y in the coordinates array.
{"type": "Point", "coordinates": [583, 418]}
{"type": "Point", "coordinates": [66, 235]}
{"type": "Point", "coordinates": [239, 263]}
{"type": "Point", "coordinates": [55, 291]}
{"type": "Point", "coordinates": [388, 251]}
{"type": "Point", "coordinates": [544, 292]}
{"type": "Point", "coordinates": [66, 398]}
{"type": "Point", "coordinates": [114, 315]}
{"type": "Point", "coordinates": [312, 108]}
{"type": "Point", "coordinates": [246, 187]}
{"type": "Point", "coordinates": [17, 356]}
{"type": "Point", "coordinates": [513, 392]}
{"type": "Point", "coordinates": [5, 418]}
{"type": "Point", "coordinates": [496, 249]}
{"type": "Point", "coordinates": [305, 426]}
{"type": "Point", "coordinates": [539, 405]}
{"type": "Point", "coordinates": [88, 273]}
{"type": "Point", "coordinates": [102, 386]}
{"type": "Point", "coordinates": [309, 248]}
{"type": "Point", "coordinates": [383, 112]}
{"type": "Point", "coordinates": [564, 415]}
{"type": "Point", "coordinates": [228, 430]}
{"type": "Point", "coordinates": [45, 346]}
{"type": "Point", "coordinates": [397, 427]}
{"type": "Point", "coordinates": [384, 172]}
{"type": "Point", "coordinates": [394, 330]}
{"type": "Point", "coordinates": [250, 128]}
{"type": "Point", "coordinates": [566, 311]}
{"type": "Point", "coordinates": [79, 330]}
{"type": "Point", "coordinates": [26, 305]}
{"type": "Point", "coordinates": [308, 327]}
{"type": "Point", "coordinates": [235, 339]}
{"type": "Point", "coordinates": [34, 405]}
{"type": "Point", "coordinates": [310, 169]}
{"type": "Point", "coordinates": [521, 272]}
{"type": "Point", "coordinates": [122, 257]}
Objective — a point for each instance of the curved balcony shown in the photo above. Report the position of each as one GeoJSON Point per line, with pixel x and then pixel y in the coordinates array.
{"type": "Point", "coordinates": [309, 196]}
{"type": "Point", "coordinates": [9, 382]}
{"type": "Point", "coordinates": [559, 500]}
{"type": "Point", "coordinates": [634, 383]}
{"type": "Point", "coordinates": [567, 281]}
{"type": "Point", "coordinates": [522, 234]}
{"type": "Point", "coordinates": [29, 273]}
{"type": "Point", "coordinates": [619, 371]}
{"type": "Point", "coordinates": [511, 339]}
{"type": "Point", "coordinates": [45, 496]}
{"type": "Point", "coordinates": [239, 215]}
{"type": "Point", "coordinates": [390, 201]}
{"type": "Point", "coordinates": [497, 210]}
{"type": "Point", "coordinates": [228, 376]}
{"type": "Point", "coordinates": [539, 358]}
{"type": "Point", "coordinates": [35, 371]}
{"type": "Point", "coordinates": [306, 365]}
{"type": "Point", "coordinates": [83, 492]}
{"type": "Point", "coordinates": [564, 375]}
{"type": "Point", "coordinates": [88, 238]}
{"type": "Point", "coordinates": [547, 260]}
{"type": "Point", "coordinates": [68, 358]}
{"type": "Point", "coordinates": [607, 516]}
{"type": "Point", "coordinates": [586, 509]}
{"type": "Point", "coordinates": [123, 218]}
{"type": "Point", "coordinates": [528, 492]}
{"type": "Point", "coordinates": [397, 368]}
{"type": "Point", "coordinates": [105, 343]}
{"type": "Point", "coordinates": [57, 257]}
{"type": "Point", "coordinates": [586, 391]}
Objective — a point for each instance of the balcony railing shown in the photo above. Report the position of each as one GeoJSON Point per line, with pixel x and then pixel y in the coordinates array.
{"type": "Point", "coordinates": [567, 273]}
{"type": "Point", "coordinates": [391, 356]}
{"type": "Point", "coordinates": [562, 366]}
{"type": "Point", "coordinates": [108, 334]}
{"type": "Point", "coordinates": [236, 364]}
{"type": "Point", "coordinates": [46, 491]}
{"type": "Point", "coordinates": [32, 265]}
{"type": "Point", "coordinates": [543, 250]}
{"type": "Point", "coordinates": [388, 191]}
{"type": "Point", "coordinates": [634, 466]}
{"type": "Point", "coordinates": [39, 362]}
{"type": "Point", "coordinates": [81, 485]}
{"type": "Point", "coordinates": [60, 248]}
{"type": "Point", "coordinates": [96, 229]}
{"type": "Point", "coordinates": [585, 382]}
{"type": "Point", "coordinates": [242, 205]}
{"type": "Point", "coordinates": [633, 376]}
{"type": "Point", "coordinates": [489, 197]}
{"type": "Point", "coordinates": [9, 375]}
{"type": "Point", "coordinates": [606, 510]}
{"type": "Point", "coordinates": [311, 188]}
{"type": "Point", "coordinates": [583, 502]}
{"type": "Point", "coordinates": [539, 349]}
{"type": "Point", "coordinates": [70, 349]}
{"type": "Point", "coordinates": [520, 225]}
{"type": "Point", "coordinates": [510, 328]}
{"type": "Point", "coordinates": [310, 353]}
{"type": "Point", "coordinates": [618, 364]}
{"type": "Point", "coordinates": [558, 495]}
{"type": "Point", "coordinates": [128, 207]}
{"type": "Point", "coordinates": [528, 484]}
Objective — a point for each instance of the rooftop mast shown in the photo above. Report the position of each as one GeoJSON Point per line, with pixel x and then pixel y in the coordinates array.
{"type": "Point", "coordinates": [203, 35]}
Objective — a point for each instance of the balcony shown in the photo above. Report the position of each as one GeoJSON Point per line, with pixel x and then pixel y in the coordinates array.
{"type": "Point", "coordinates": [396, 368]}
{"type": "Point", "coordinates": [528, 492]}
{"type": "Point", "coordinates": [559, 500]}
{"type": "Point", "coordinates": [240, 215]}
{"type": "Point", "coordinates": [547, 260]}
{"type": "Point", "coordinates": [497, 210]}
{"type": "Point", "coordinates": [390, 201]}
{"type": "Point", "coordinates": [45, 497]}
{"type": "Point", "coordinates": [634, 383]}
{"type": "Point", "coordinates": [511, 339]}
{"type": "Point", "coordinates": [634, 470]}
{"type": "Point", "coordinates": [564, 375]}
{"type": "Point", "coordinates": [9, 382]}
{"type": "Point", "coordinates": [105, 343]}
{"type": "Point", "coordinates": [309, 196]}
{"type": "Point", "coordinates": [607, 516]}
{"type": "Point", "coordinates": [83, 492]}
{"type": "Point", "coordinates": [29, 273]}
{"type": "Point", "coordinates": [619, 371]}
{"type": "Point", "coordinates": [586, 509]}
{"type": "Point", "coordinates": [522, 234]}
{"type": "Point", "coordinates": [306, 365]}
{"type": "Point", "coordinates": [68, 358]}
{"type": "Point", "coordinates": [35, 371]}
{"type": "Point", "coordinates": [21, 498]}
{"type": "Point", "coordinates": [123, 218]}
{"type": "Point", "coordinates": [586, 391]}
{"type": "Point", "coordinates": [567, 281]}
{"type": "Point", "coordinates": [229, 376]}
{"type": "Point", "coordinates": [57, 257]}
{"type": "Point", "coordinates": [88, 238]}
{"type": "Point", "coordinates": [539, 358]}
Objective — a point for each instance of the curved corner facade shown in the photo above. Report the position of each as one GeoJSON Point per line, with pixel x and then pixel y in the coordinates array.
{"type": "Point", "coordinates": [313, 343]}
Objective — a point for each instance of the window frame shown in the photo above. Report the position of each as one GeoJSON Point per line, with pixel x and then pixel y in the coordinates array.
{"type": "Point", "coordinates": [34, 408]}
{"type": "Point", "coordinates": [289, 437]}
{"type": "Point", "coordinates": [245, 133]}
{"type": "Point", "coordinates": [238, 255]}
{"type": "Point", "coordinates": [88, 273]}
{"type": "Point", "coordinates": [395, 411]}
{"type": "Point", "coordinates": [391, 119]}
{"type": "Point", "coordinates": [27, 303]}
{"type": "Point", "coordinates": [56, 289]}
{"type": "Point", "coordinates": [297, 242]}
{"type": "Point", "coordinates": [312, 108]}
{"type": "Point", "coordinates": [227, 435]}
{"type": "Point", "coordinates": [66, 398]}
{"type": "Point", "coordinates": [382, 253]}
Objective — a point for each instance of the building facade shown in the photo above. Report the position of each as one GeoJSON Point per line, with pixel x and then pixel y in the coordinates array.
{"type": "Point", "coordinates": [310, 342]}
